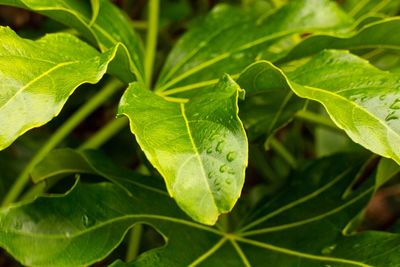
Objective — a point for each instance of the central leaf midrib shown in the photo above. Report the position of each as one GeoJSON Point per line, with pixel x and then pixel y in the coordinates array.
{"type": "Point", "coordinates": [298, 201]}
{"type": "Point", "coordinates": [34, 80]}
{"type": "Point", "coordinates": [95, 26]}
{"type": "Point", "coordinates": [287, 251]}
{"type": "Point", "coordinates": [197, 154]}
{"type": "Point", "coordinates": [308, 220]}
{"type": "Point", "coordinates": [114, 220]}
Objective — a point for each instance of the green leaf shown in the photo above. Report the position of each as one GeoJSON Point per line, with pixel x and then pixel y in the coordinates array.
{"type": "Point", "coordinates": [375, 35]}
{"type": "Point", "coordinates": [102, 24]}
{"type": "Point", "coordinates": [360, 99]}
{"type": "Point", "coordinates": [42, 78]}
{"type": "Point", "coordinates": [358, 8]}
{"type": "Point", "coordinates": [229, 39]}
{"type": "Point", "coordinates": [303, 228]}
{"type": "Point", "coordinates": [67, 162]}
{"type": "Point", "coordinates": [386, 170]}
{"type": "Point", "coordinates": [198, 145]}
{"type": "Point", "coordinates": [270, 103]}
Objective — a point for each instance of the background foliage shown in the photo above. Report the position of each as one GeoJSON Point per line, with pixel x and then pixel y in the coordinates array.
{"type": "Point", "coordinates": [283, 114]}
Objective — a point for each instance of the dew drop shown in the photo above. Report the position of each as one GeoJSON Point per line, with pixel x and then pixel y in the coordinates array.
{"type": "Point", "coordinates": [87, 221]}
{"type": "Point", "coordinates": [382, 97]}
{"type": "Point", "coordinates": [220, 146]}
{"type": "Point", "coordinates": [228, 180]}
{"type": "Point", "coordinates": [223, 168]}
{"type": "Point", "coordinates": [391, 116]}
{"type": "Point", "coordinates": [328, 250]}
{"type": "Point", "coordinates": [210, 175]}
{"type": "Point", "coordinates": [217, 183]}
{"type": "Point", "coordinates": [395, 104]}
{"type": "Point", "coordinates": [209, 150]}
{"type": "Point", "coordinates": [231, 156]}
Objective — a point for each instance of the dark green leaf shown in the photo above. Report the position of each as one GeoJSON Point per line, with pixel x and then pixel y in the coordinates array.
{"type": "Point", "coordinates": [304, 228]}
{"type": "Point", "coordinates": [198, 145]}
{"type": "Point", "coordinates": [358, 8]}
{"type": "Point", "coordinates": [270, 103]}
{"type": "Point", "coordinates": [41, 78]}
{"type": "Point", "coordinates": [230, 38]}
{"type": "Point", "coordinates": [63, 162]}
{"type": "Point", "coordinates": [375, 35]}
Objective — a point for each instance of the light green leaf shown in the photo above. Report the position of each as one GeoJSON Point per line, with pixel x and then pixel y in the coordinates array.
{"type": "Point", "coordinates": [110, 27]}
{"type": "Point", "coordinates": [375, 35]}
{"type": "Point", "coordinates": [43, 75]}
{"type": "Point", "coordinates": [198, 145]}
{"type": "Point", "coordinates": [360, 99]}
{"type": "Point", "coordinates": [304, 228]}
{"type": "Point", "coordinates": [230, 38]}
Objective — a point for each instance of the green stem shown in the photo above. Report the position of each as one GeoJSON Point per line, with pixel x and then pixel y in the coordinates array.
{"type": "Point", "coordinates": [151, 40]}
{"type": "Point", "coordinates": [58, 136]}
{"type": "Point", "coordinates": [134, 242]}
{"type": "Point", "coordinates": [105, 133]}
{"type": "Point", "coordinates": [316, 119]}
{"type": "Point", "coordinates": [283, 152]}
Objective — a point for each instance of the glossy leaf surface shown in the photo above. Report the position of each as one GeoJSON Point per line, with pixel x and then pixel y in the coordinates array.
{"type": "Point", "coordinates": [41, 79]}
{"type": "Point", "coordinates": [230, 38]}
{"type": "Point", "coordinates": [360, 99]}
{"type": "Point", "coordinates": [198, 145]}
{"type": "Point", "coordinates": [303, 228]}
{"type": "Point", "coordinates": [106, 28]}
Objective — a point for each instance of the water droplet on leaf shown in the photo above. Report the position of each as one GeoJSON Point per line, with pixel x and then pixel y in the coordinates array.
{"type": "Point", "coordinates": [395, 104]}
{"type": "Point", "coordinates": [231, 156]}
{"type": "Point", "coordinates": [223, 168]}
{"type": "Point", "coordinates": [391, 116]}
{"type": "Point", "coordinates": [220, 146]}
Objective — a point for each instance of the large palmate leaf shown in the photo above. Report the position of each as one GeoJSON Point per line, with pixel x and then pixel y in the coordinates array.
{"type": "Point", "coordinates": [230, 38]}
{"type": "Point", "coordinates": [375, 35]}
{"type": "Point", "coordinates": [102, 24]}
{"type": "Point", "coordinates": [199, 145]}
{"type": "Point", "coordinates": [304, 228]}
{"type": "Point", "coordinates": [360, 98]}
{"type": "Point", "coordinates": [42, 78]}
